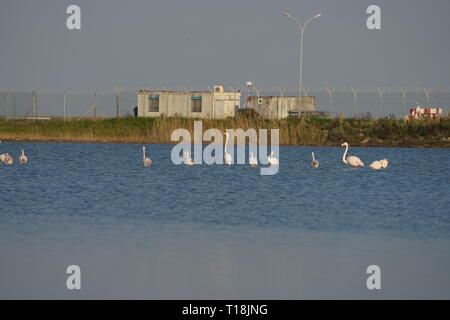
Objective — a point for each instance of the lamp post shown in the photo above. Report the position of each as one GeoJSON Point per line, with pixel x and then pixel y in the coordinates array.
{"type": "Point", "coordinates": [301, 29]}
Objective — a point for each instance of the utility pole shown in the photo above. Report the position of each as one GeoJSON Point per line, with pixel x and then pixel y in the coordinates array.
{"type": "Point", "coordinates": [301, 28]}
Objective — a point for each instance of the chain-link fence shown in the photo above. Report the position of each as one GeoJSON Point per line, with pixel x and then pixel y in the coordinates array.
{"type": "Point", "coordinates": [121, 102]}
{"type": "Point", "coordinates": [67, 104]}
{"type": "Point", "coordinates": [353, 101]}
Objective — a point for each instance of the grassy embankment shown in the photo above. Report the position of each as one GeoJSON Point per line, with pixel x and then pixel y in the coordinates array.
{"type": "Point", "coordinates": [307, 131]}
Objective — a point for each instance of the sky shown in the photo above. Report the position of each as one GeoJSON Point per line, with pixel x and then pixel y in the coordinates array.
{"type": "Point", "coordinates": [200, 43]}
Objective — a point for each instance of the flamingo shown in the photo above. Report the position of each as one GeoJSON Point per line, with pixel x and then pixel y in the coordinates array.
{"type": "Point", "coordinates": [384, 163]}
{"type": "Point", "coordinates": [227, 156]}
{"type": "Point", "coordinates": [314, 163]}
{"type": "Point", "coordinates": [23, 158]}
{"type": "Point", "coordinates": [147, 161]}
{"type": "Point", "coordinates": [253, 161]}
{"type": "Point", "coordinates": [9, 159]}
{"type": "Point", "coordinates": [2, 156]}
{"type": "Point", "coordinates": [376, 165]}
{"type": "Point", "coordinates": [351, 160]}
{"type": "Point", "coordinates": [187, 159]}
{"type": "Point", "coordinates": [272, 160]}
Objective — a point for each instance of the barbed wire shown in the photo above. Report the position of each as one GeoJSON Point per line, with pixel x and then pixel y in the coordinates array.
{"type": "Point", "coordinates": [122, 100]}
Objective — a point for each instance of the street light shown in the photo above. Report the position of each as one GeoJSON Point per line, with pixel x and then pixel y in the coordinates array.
{"type": "Point", "coordinates": [302, 29]}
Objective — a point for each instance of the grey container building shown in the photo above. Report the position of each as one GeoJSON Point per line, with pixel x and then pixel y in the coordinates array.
{"type": "Point", "coordinates": [214, 104]}
{"type": "Point", "coordinates": [277, 107]}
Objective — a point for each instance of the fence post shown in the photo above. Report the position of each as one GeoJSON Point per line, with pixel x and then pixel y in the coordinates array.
{"type": "Point", "coordinates": [65, 105]}
{"type": "Point", "coordinates": [7, 104]}
{"type": "Point", "coordinates": [37, 105]}
{"type": "Point", "coordinates": [14, 104]}
{"type": "Point", "coordinates": [117, 103]}
{"type": "Point", "coordinates": [427, 96]}
{"type": "Point", "coordinates": [187, 102]}
{"type": "Point", "coordinates": [280, 102]}
{"type": "Point", "coordinates": [234, 100]}
{"type": "Point", "coordinates": [34, 103]}
{"type": "Point", "coordinates": [355, 92]}
{"type": "Point", "coordinates": [438, 96]}
{"type": "Point", "coordinates": [330, 95]}
{"type": "Point", "coordinates": [95, 104]}
{"type": "Point", "coordinates": [404, 92]}
{"type": "Point", "coordinates": [212, 103]}
{"type": "Point", "coordinates": [257, 91]}
{"type": "Point", "coordinates": [167, 102]}
{"type": "Point", "coordinates": [380, 91]}
{"type": "Point", "coordinates": [305, 91]}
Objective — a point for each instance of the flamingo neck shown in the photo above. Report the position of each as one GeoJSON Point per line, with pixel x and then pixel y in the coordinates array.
{"type": "Point", "coordinates": [226, 142]}
{"type": "Point", "coordinates": [345, 153]}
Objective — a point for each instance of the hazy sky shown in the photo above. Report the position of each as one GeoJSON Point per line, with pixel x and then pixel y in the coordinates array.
{"type": "Point", "coordinates": [198, 43]}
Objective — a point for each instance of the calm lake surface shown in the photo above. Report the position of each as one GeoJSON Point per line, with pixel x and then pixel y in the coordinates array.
{"type": "Point", "coordinates": [217, 232]}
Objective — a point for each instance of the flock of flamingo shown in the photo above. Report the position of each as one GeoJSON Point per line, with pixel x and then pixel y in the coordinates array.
{"type": "Point", "coordinates": [7, 159]}
{"type": "Point", "coordinates": [352, 161]}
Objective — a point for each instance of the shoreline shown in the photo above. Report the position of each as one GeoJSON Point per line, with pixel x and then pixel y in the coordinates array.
{"type": "Point", "coordinates": [308, 132]}
{"type": "Point", "coordinates": [131, 141]}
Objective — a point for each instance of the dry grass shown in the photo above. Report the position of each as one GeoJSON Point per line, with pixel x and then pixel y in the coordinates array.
{"type": "Point", "coordinates": [307, 131]}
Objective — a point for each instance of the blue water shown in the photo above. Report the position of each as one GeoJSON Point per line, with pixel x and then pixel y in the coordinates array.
{"type": "Point", "coordinates": [181, 232]}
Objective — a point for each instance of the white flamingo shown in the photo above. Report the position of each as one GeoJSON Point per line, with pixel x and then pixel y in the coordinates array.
{"type": "Point", "coordinates": [187, 159]}
{"type": "Point", "coordinates": [272, 160]}
{"type": "Point", "coordinates": [227, 156]}
{"type": "Point", "coordinates": [147, 161]}
{"type": "Point", "coordinates": [23, 158]}
{"type": "Point", "coordinates": [314, 163]}
{"type": "Point", "coordinates": [351, 160]}
{"type": "Point", "coordinates": [253, 161]}
{"type": "Point", "coordinates": [2, 156]}
{"type": "Point", "coordinates": [376, 165]}
{"type": "Point", "coordinates": [9, 159]}
{"type": "Point", "coordinates": [384, 163]}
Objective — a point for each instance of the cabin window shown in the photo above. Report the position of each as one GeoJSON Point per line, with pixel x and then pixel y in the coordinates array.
{"type": "Point", "coordinates": [153, 103]}
{"type": "Point", "coordinates": [196, 104]}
